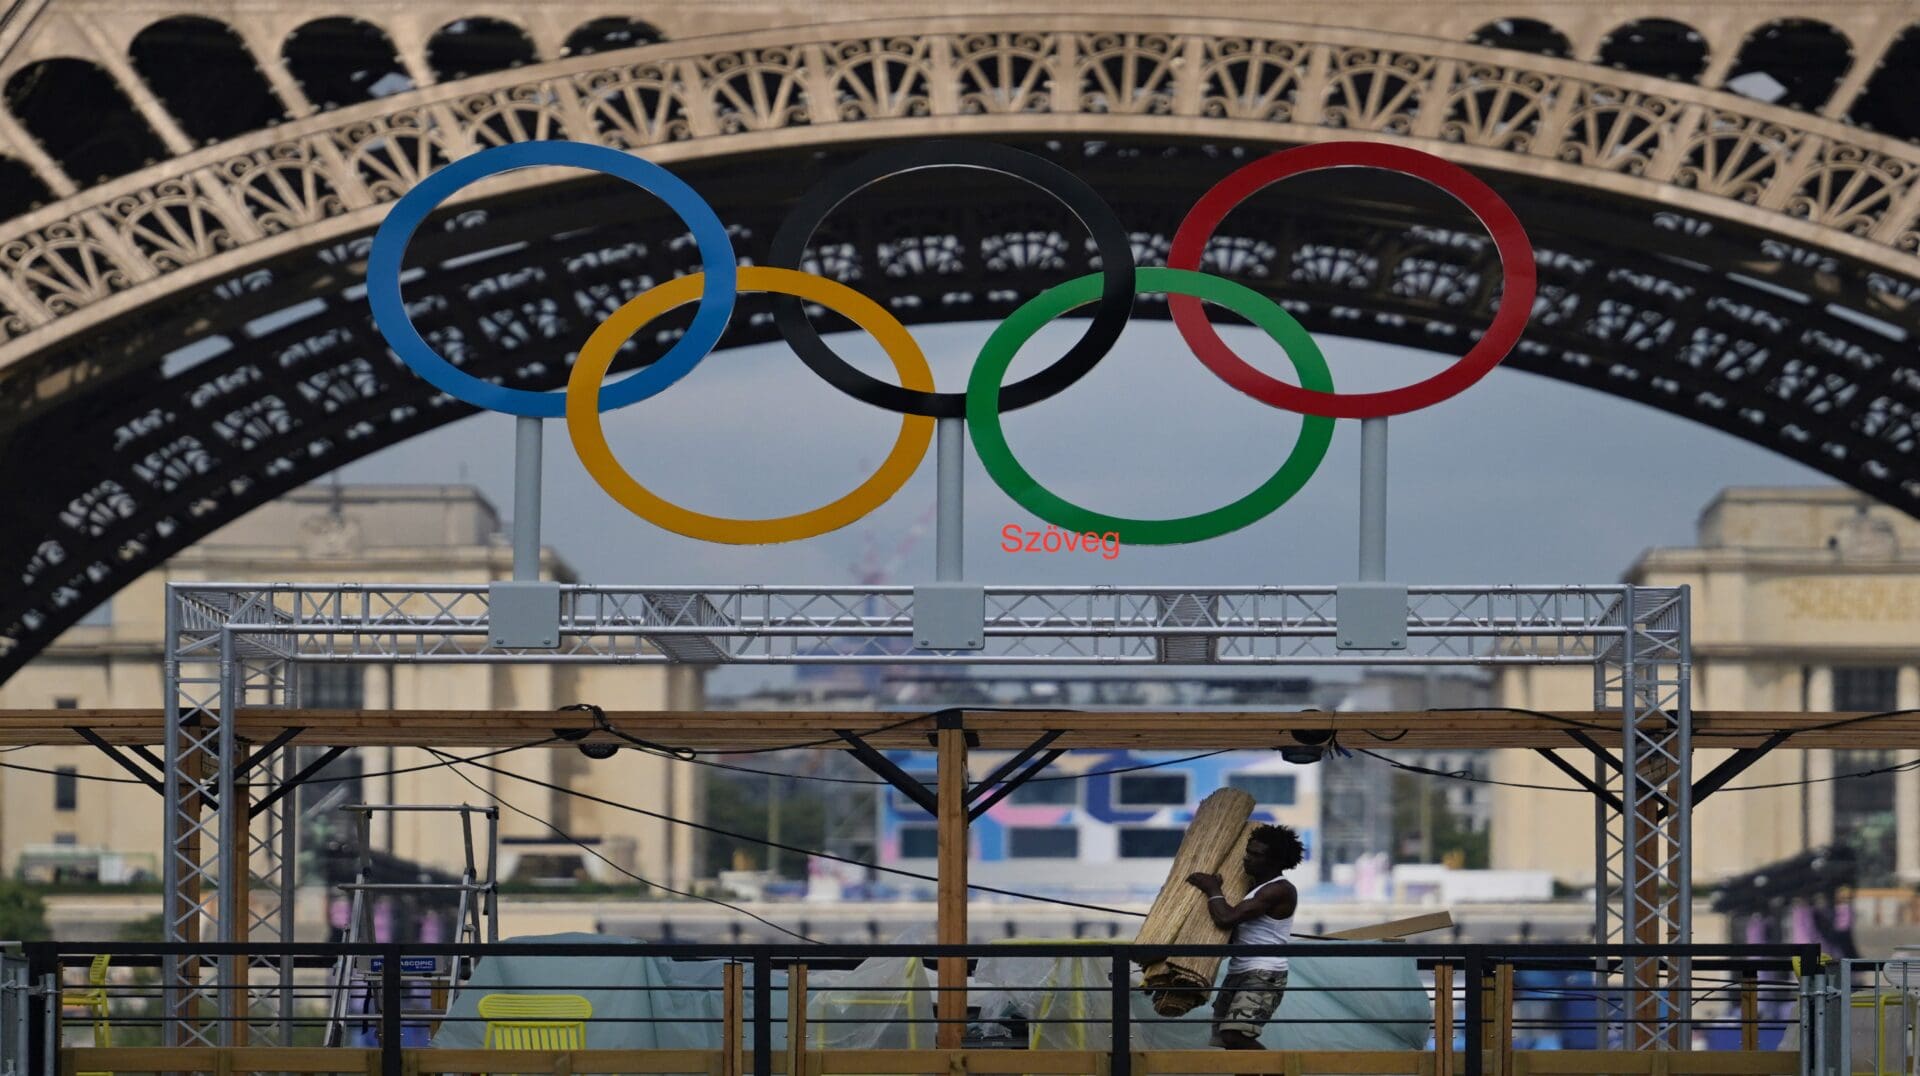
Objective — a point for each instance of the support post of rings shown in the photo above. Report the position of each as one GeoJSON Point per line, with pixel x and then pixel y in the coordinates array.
{"type": "Point", "coordinates": [949, 505]}
{"type": "Point", "coordinates": [526, 498]}
{"type": "Point", "coordinates": [525, 611]}
{"type": "Point", "coordinates": [1373, 499]}
{"type": "Point", "coordinates": [1372, 613]}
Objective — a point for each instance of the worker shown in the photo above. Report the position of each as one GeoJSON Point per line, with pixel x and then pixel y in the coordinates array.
{"type": "Point", "coordinates": [1254, 984]}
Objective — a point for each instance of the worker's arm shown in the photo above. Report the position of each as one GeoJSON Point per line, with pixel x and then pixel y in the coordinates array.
{"type": "Point", "coordinates": [1277, 900]}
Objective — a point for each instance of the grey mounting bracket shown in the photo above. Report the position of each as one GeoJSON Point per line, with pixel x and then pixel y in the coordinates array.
{"type": "Point", "coordinates": [949, 616]}
{"type": "Point", "coordinates": [524, 614]}
{"type": "Point", "coordinates": [1371, 616]}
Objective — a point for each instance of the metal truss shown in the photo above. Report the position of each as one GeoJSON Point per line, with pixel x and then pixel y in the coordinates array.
{"type": "Point", "coordinates": [1797, 353]}
{"type": "Point", "coordinates": [1644, 848]}
{"type": "Point", "coordinates": [234, 646]}
{"type": "Point", "coordinates": [230, 827]}
{"type": "Point", "coordinates": [793, 625]}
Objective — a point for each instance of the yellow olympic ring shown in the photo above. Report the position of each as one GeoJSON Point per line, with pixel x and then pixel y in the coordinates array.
{"type": "Point", "coordinates": [590, 440]}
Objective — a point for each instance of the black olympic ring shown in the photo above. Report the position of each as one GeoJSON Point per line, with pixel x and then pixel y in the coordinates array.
{"type": "Point", "coordinates": [1110, 239]}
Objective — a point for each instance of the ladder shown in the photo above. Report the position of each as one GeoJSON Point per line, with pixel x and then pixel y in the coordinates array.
{"type": "Point", "coordinates": [429, 978]}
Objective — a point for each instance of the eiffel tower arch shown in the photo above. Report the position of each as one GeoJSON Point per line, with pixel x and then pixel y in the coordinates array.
{"type": "Point", "coordinates": [1745, 264]}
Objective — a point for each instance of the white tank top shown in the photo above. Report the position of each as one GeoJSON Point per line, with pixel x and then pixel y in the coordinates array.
{"type": "Point", "coordinates": [1265, 930]}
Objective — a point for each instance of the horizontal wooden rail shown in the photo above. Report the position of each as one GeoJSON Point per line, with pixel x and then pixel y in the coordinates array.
{"type": "Point", "coordinates": [1656, 1062]}
{"type": "Point", "coordinates": [1287, 1062]}
{"type": "Point", "coordinates": [236, 1060]}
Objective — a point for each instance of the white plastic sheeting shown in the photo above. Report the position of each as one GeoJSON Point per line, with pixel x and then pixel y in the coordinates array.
{"type": "Point", "coordinates": [647, 1002]}
{"type": "Point", "coordinates": [1332, 1003]}
{"type": "Point", "coordinates": [651, 1003]}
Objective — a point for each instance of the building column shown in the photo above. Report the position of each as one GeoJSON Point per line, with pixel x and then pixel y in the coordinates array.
{"type": "Point", "coordinates": [1906, 787]}
{"type": "Point", "coordinates": [686, 689]}
{"type": "Point", "coordinates": [686, 793]}
{"type": "Point", "coordinates": [1817, 805]}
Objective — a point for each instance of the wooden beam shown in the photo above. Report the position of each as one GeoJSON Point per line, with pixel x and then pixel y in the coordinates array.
{"type": "Point", "coordinates": [996, 730]}
{"type": "Point", "coordinates": [1398, 928]}
{"type": "Point", "coordinates": [950, 1005]}
{"type": "Point", "coordinates": [733, 1008]}
{"type": "Point", "coordinates": [797, 1020]}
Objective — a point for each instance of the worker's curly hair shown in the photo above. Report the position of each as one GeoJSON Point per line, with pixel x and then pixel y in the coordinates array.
{"type": "Point", "coordinates": [1284, 842]}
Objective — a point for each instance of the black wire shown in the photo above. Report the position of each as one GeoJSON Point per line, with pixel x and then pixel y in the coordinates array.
{"type": "Point", "coordinates": [452, 762]}
{"type": "Point", "coordinates": [495, 753]}
{"type": "Point", "coordinates": [1896, 768]}
{"type": "Point", "coordinates": [820, 742]}
{"type": "Point", "coordinates": [309, 781]}
{"type": "Point", "coordinates": [1522, 710]}
{"type": "Point", "coordinates": [871, 782]}
{"type": "Point", "coordinates": [601, 724]}
{"type": "Point", "coordinates": [1134, 769]}
{"type": "Point", "coordinates": [75, 774]}
{"type": "Point", "coordinates": [1462, 775]}
{"type": "Point", "coordinates": [1857, 719]}
{"type": "Point", "coordinates": [730, 834]}
{"type": "Point", "coordinates": [1844, 722]}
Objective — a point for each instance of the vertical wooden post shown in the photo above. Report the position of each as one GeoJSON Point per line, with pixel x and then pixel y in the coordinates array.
{"type": "Point", "coordinates": [950, 1006]}
{"type": "Point", "coordinates": [1647, 979]}
{"type": "Point", "coordinates": [1749, 1011]}
{"type": "Point", "coordinates": [797, 1020]}
{"type": "Point", "coordinates": [1443, 1019]}
{"type": "Point", "coordinates": [239, 874]}
{"type": "Point", "coordinates": [1489, 1023]}
{"type": "Point", "coordinates": [733, 1005]}
{"type": "Point", "coordinates": [1503, 1009]}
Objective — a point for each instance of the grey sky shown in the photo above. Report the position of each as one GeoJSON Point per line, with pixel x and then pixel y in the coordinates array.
{"type": "Point", "coordinates": [1520, 479]}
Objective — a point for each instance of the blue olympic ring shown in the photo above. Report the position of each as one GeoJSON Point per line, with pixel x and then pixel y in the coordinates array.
{"type": "Point", "coordinates": [390, 246]}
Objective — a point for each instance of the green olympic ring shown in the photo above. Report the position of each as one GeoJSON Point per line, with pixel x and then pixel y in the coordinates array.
{"type": "Point", "coordinates": [997, 354]}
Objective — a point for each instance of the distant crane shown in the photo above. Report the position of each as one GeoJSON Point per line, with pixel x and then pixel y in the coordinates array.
{"type": "Point", "coordinates": [876, 565]}
{"type": "Point", "coordinates": [872, 569]}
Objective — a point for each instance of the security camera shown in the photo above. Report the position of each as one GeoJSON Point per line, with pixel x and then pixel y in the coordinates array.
{"type": "Point", "coordinates": [1309, 746]}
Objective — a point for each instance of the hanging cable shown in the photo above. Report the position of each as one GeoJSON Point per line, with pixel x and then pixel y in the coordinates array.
{"type": "Point", "coordinates": [495, 753]}
{"type": "Point", "coordinates": [1900, 767]}
{"type": "Point", "coordinates": [750, 839]}
{"type": "Point", "coordinates": [75, 774]}
{"type": "Point", "coordinates": [1462, 775]}
{"type": "Point", "coordinates": [453, 763]}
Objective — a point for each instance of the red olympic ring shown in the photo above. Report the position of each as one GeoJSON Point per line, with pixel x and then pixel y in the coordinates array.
{"type": "Point", "coordinates": [1509, 239]}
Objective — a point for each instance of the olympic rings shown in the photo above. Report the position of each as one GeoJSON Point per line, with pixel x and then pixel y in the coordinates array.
{"type": "Point", "coordinates": [983, 416]}
{"type": "Point", "coordinates": [1509, 239]}
{"type": "Point", "coordinates": [1110, 239]}
{"type": "Point", "coordinates": [590, 441]}
{"type": "Point", "coordinates": [390, 245]}
{"type": "Point", "coordinates": [1113, 289]}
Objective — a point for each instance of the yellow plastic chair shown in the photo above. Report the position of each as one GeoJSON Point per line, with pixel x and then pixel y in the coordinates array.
{"type": "Point", "coordinates": [94, 1000]}
{"type": "Point", "coordinates": [535, 1021]}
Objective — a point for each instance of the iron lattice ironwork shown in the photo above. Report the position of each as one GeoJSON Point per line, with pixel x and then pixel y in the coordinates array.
{"type": "Point", "coordinates": [1627, 305]}
{"type": "Point", "coordinates": [1744, 265]}
{"type": "Point", "coordinates": [238, 645]}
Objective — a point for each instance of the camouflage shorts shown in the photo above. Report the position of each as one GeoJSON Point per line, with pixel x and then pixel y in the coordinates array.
{"type": "Point", "coordinates": [1246, 1001]}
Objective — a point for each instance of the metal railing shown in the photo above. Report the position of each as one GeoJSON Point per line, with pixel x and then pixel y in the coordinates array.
{"type": "Point", "coordinates": [1477, 1010]}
